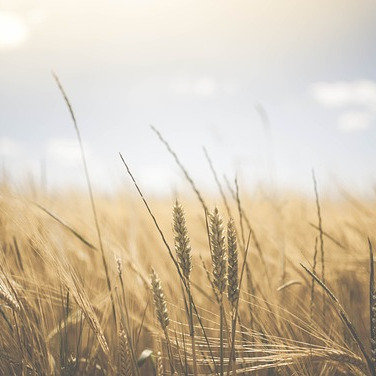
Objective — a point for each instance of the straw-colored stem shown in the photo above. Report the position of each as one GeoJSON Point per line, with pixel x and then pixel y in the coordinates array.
{"type": "Point", "coordinates": [192, 333]}
{"type": "Point", "coordinates": [219, 259]}
{"type": "Point", "coordinates": [91, 195]}
{"type": "Point", "coordinates": [233, 354]}
{"type": "Point", "coordinates": [169, 351]}
{"type": "Point", "coordinates": [184, 257]}
{"type": "Point", "coordinates": [322, 251]}
{"type": "Point", "coordinates": [221, 338]}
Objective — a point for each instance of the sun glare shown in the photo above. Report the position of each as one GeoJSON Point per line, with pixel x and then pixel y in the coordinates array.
{"type": "Point", "coordinates": [13, 31]}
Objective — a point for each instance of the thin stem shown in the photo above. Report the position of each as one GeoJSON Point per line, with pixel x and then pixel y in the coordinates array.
{"type": "Point", "coordinates": [83, 157]}
{"type": "Point", "coordinates": [221, 336]}
{"type": "Point", "coordinates": [321, 238]}
{"type": "Point", "coordinates": [192, 332]}
{"type": "Point", "coordinates": [185, 172]}
{"type": "Point", "coordinates": [233, 354]}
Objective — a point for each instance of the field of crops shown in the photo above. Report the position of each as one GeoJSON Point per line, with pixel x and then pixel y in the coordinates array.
{"type": "Point", "coordinates": [208, 284]}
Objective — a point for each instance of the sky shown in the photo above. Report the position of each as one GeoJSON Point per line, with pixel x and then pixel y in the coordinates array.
{"type": "Point", "coordinates": [271, 89]}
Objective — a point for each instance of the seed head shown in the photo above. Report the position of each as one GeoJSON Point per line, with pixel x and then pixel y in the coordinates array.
{"type": "Point", "coordinates": [125, 355]}
{"type": "Point", "coordinates": [159, 300]}
{"type": "Point", "coordinates": [218, 251]}
{"type": "Point", "coordinates": [182, 246]}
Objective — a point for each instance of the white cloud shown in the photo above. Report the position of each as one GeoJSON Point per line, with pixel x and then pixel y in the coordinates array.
{"type": "Point", "coordinates": [9, 147]}
{"type": "Point", "coordinates": [346, 93]}
{"type": "Point", "coordinates": [13, 30]}
{"type": "Point", "coordinates": [351, 121]}
{"type": "Point", "coordinates": [204, 87]}
{"type": "Point", "coordinates": [65, 151]}
{"type": "Point", "coordinates": [355, 99]}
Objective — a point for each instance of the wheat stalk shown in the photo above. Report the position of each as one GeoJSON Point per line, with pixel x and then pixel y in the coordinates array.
{"type": "Point", "coordinates": [184, 256]}
{"type": "Point", "coordinates": [233, 282]}
{"type": "Point", "coordinates": [219, 259]}
{"type": "Point", "coordinates": [162, 312]}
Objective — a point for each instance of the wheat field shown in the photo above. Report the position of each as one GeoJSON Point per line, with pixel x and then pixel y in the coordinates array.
{"type": "Point", "coordinates": [203, 245]}
{"type": "Point", "coordinates": [177, 287]}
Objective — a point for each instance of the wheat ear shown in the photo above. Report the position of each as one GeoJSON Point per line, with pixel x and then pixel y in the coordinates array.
{"type": "Point", "coordinates": [182, 246]}
{"type": "Point", "coordinates": [125, 367]}
{"type": "Point", "coordinates": [218, 252]}
{"type": "Point", "coordinates": [162, 312]}
{"type": "Point", "coordinates": [233, 282]}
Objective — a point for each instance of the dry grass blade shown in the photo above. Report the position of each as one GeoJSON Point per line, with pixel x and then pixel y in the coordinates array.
{"type": "Point", "coordinates": [83, 302]}
{"type": "Point", "coordinates": [288, 284]}
{"type": "Point", "coordinates": [242, 216]}
{"type": "Point", "coordinates": [154, 220]}
{"type": "Point", "coordinates": [64, 224]}
{"type": "Point", "coordinates": [330, 237]}
{"type": "Point", "coordinates": [88, 181]}
{"type": "Point", "coordinates": [185, 172]}
{"type": "Point", "coordinates": [344, 317]}
{"type": "Point", "coordinates": [321, 236]}
{"type": "Point", "coordinates": [219, 185]}
{"type": "Point", "coordinates": [311, 306]}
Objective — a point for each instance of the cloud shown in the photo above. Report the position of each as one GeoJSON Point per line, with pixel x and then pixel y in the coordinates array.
{"type": "Point", "coordinates": [346, 93]}
{"type": "Point", "coordinates": [204, 87]}
{"type": "Point", "coordinates": [13, 30]}
{"type": "Point", "coordinates": [9, 147]}
{"type": "Point", "coordinates": [345, 96]}
{"type": "Point", "coordinates": [65, 151]}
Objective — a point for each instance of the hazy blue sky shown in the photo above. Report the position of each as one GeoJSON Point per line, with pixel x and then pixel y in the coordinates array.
{"type": "Point", "coordinates": [196, 70]}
